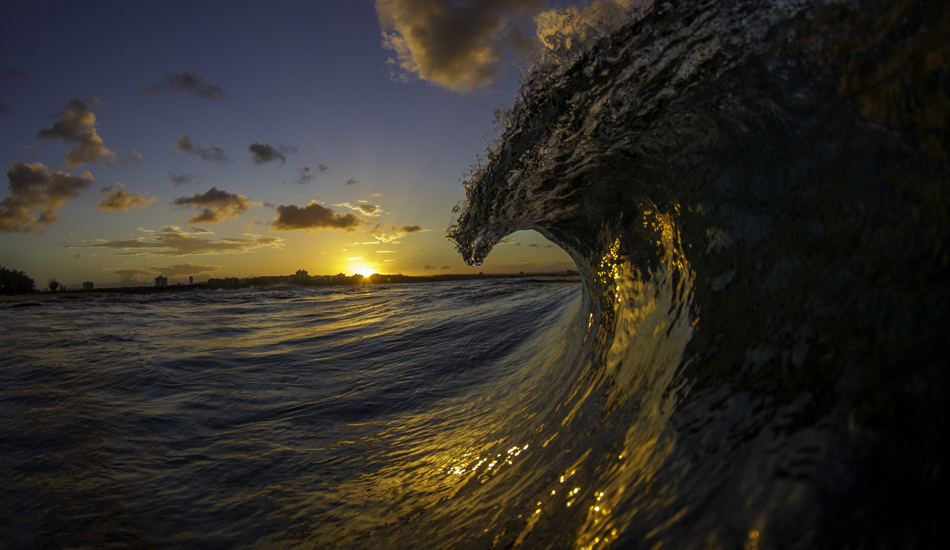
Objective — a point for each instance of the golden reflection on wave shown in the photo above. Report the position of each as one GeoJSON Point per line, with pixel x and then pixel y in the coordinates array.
{"type": "Point", "coordinates": [651, 328]}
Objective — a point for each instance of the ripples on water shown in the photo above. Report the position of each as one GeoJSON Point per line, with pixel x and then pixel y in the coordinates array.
{"type": "Point", "coordinates": [276, 418]}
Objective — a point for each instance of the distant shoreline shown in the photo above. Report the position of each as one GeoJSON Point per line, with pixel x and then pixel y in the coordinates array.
{"type": "Point", "coordinates": [383, 280]}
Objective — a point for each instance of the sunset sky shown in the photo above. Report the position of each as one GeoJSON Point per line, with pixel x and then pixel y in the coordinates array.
{"type": "Point", "coordinates": [230, 139]}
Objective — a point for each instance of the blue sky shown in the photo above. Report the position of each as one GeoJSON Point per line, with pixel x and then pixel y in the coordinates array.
{"type": "Point", "coordinates": [378, 138]}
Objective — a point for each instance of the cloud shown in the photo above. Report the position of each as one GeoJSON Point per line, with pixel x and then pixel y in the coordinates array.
{"type": "Point", "coordinates": [115, 197]}
{"type": "Point", "coordinates": [216, 206]}
{"type": "Point", "coordinates": [376, 195]}
{"type": "Point", "coordinates": [456, 45]}
{"type": "Point", "coordinates": [35, 196]}
{"type": "Point", "coordinates": [211, 153]}
{"type": "Point", "coordinates": [427, 267]}
{"type": "Point", "coordinates": [187, 82]}
{"type": "Point", "coordinates": [307, 175]}
{"type": "Point", "coordinates": [182, 179]}
{"type": "Point", "coordinates": [136, 157]}
{"type": "Point", "coordinates": [7, 78]}
{"type": "Point", "coordinates": [393, 233]}
{"type": "Point", "coordinates": [265, 153]}
{"type": "Point", "coordinates": [351, 181]}
{"type": "Point", "coordinates": [184, 270]}
{"type": "Point", "coordinates": [313, 216]}
{"type": "Point", "coordinates": [131, 275]}
{"type": "Point", "coordinates": [445, 267]}
{"type": "Point", "coordinates": [172, 241]}
{"type": "Point", "coordinates": [75, 125]}
{"type": "Point", "coordinates": [367, 209]}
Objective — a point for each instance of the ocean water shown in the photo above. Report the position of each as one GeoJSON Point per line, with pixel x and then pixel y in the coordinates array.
{"type": "Point", "coordinates": [756, 197]}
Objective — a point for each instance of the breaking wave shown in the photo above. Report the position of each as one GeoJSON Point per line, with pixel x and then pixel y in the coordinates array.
{"type": "Point", "coordinates": [755, 195]}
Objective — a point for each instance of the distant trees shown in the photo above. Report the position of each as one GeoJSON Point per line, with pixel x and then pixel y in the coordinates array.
{"type": "Point", "coordinates": [53, 285]}
{"type": "Point", "coordinates": [14, 282]}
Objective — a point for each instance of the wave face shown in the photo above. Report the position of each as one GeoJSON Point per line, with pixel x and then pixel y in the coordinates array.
{"type": "Point", "coordinates": [756, 197]}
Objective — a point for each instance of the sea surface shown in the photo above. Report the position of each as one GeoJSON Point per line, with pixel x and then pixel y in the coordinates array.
{"type": "Point", "coordinates": [756, 195]}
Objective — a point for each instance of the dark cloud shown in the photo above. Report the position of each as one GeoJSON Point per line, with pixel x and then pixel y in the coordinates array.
{"type": "Point", "coordinates": [187, 82]}
{"type": "Point", "coordinates": [172, 241]}
{"type": "Point", "coordinates": [351, 181]}
{"type": "Point", "coordinates": [263, 152]}
{"type": "Point", "coordinates": [313, 216]}
{"type": "Point", "coordinates": [7, 78]}
{"type": "Point", "coordinates": [212, 153]}
{"type": "Point", "coordinates": [115, 197]}
{"type": "Point", "coordinates": [429, 267]}
{"type": "Point", "coordinates": [458, 45]}
{"type": "Point", "coordinates": [216, 206]}
{"type": "Point", "coordinates": [75, 125]}
{"type": "Point", "coordinates": [307, 174]}
{"type": "Point", "coordinates": [35, 196]}
{"type": "Point", "coordinates": [183, 179]}
{"type": "Point", "coordinates": [395, 232]}
{"type": "Point", "coordinates": [445, 267]}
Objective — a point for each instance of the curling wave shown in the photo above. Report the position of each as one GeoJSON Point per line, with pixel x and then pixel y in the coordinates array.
{"type": "Point", "coordinates": [755, 195]}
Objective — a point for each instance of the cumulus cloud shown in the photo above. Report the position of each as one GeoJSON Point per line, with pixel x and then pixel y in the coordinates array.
{"type": "Point", "coordinates": [211, 153]}
{"type": "Point", "coordinates": [457, 45]}
{"type": "Point", "coordinates": [445, 267]}
{"type": "Point", "coordinates": [428, 267]}
{"type": "Point", "coordinates": [75, 125]}
{"type": "Point", "coordinates": [313, 216]}
{"type": "Point", "coordinates": [172, 241]}
{"type": "Point", "coordinates": [7, 78]}
{"type": "Point", "coordinates": [368, 209]}
{"type": "Point", "coordinates": [263, 152]}
{"type": "Point", "coordinates": [216, 206]}
{"type": "Point", "coordinates": [35, 196]}
{"type": "Point", "coordinates": [187, 82]}
{"type": "Point", "coordinates": [182, 179]}
{"type": "Point", "coordinates": [381, 233]}
{"type": "Point", "coordinates": [351, 181]}
{"type": "Point", "coordinates": [115, 197]}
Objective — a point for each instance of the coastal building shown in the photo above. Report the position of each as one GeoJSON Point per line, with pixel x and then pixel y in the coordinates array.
{"type": "Point", "coordinates": [161, 281]}
{"type": "Point", "coordinates": [88, 285]}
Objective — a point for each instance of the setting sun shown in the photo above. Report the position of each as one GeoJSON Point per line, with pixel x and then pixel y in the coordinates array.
{"type": "Point", "coordinates": [361, 268]}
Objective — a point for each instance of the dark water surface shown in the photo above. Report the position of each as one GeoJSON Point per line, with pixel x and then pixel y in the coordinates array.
{"type": "Point", "coordinates": [275, 418]}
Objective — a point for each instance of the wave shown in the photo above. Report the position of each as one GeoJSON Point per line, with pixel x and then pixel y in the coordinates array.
{"type": "Point", "coordinates": [755, 195]}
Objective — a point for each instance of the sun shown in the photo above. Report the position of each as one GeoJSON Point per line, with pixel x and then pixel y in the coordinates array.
{"type": "Point", "coordinates": [361, 268]}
